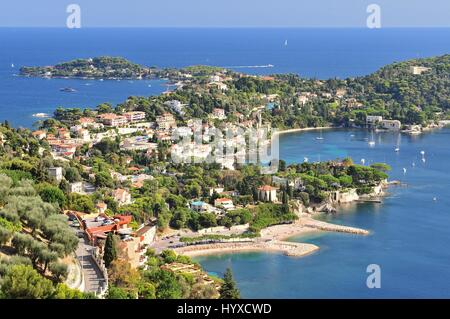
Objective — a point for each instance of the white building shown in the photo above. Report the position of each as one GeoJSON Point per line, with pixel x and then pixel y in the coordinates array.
{"type": "Point", "coordinates": [55, 172]}
{"type": "Point", "coordinates": [134, 116]}
{"type": "Point", "coordinates": [392, 125]}
{"type": "Point", "coordinates": [267, 193]}
{"type": "Point", "coordinates": [418, 70]}
{"type": "Point", "coordinates": [76, 187]}
{"type": "Point", "coordinates": [373, 119]}
{"type": "Point", "coordinates": [176, 106]}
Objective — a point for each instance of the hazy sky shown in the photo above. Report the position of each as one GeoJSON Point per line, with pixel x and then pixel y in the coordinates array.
{"type": "Point", "coordinates": [225, 13]}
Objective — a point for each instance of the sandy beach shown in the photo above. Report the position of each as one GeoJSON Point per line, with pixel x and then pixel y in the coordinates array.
{"type": "Point", "coordinates": [294, 130]}
{"type": "Point", "coordinates": [273, 239]}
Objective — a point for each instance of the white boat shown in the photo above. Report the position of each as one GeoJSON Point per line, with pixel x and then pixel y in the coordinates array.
{"type": "Point", "coordinates": [40, 115]}
{"type": "Point", "coordinates": [12, 65]}
{"type": "Point", "coordinates": [397, 149]}
{"type": "Point", "coordinates": [286, 43]}
{"type": "Point", "coordinates": [372, 140]}
{"type": "Point", "coordinates": [320, 137]}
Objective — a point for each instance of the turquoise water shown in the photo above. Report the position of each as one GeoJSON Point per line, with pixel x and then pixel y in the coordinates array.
{"type": "Point", "coordinates": [320, 53]}
{"type": "Point", "coordinates": [410, 230]}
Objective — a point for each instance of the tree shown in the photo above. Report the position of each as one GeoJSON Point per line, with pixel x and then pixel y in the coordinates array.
{"type": "Point", "coordinates": [117, 293]}
{"type": "Point", "coordinates": [58, 270]}
{"type": "Point", "coordinates": [229, 289]}
{"type": "Point", "coordinates": [147, 291]}
{"type": "Point", "coordinates": [62, 291]}
{"type": "Point", "coordinates": [5, 235]}
{"type": "Point", "coordinates": [110, 253]}
{"type": "Point", "coordinates": [23, 282]}
{"type": "Point", "coordinates": [168, 256]}
{"type": "Point", "coordinates": [72, 175]}
{"type": "Point", "coordinates": [52, 194]}
{"type": "Point", "coordinates": [122, 275]}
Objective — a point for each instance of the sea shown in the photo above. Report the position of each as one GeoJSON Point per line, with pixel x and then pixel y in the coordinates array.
{"type": "Point", "coordinates": [409, 230]}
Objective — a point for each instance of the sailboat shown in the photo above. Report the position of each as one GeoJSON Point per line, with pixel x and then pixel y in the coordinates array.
{"type": "Point", "coordinates": [372, 141]}
{"type": "Point", "coordinates": [286, 43]}
{"type": "Point", "coordinates": [320, 137]}
{"type": "Point", "coordinates": [397, 148]}
{"type": "Point", "coordinates": [12, 65]}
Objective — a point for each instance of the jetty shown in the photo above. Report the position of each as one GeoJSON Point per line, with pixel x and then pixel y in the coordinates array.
{"type": "Point", "coordinates": [320, 225]}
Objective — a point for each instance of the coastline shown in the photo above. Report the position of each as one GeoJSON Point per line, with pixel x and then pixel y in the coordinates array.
{"type": "Point", "coordinates": [305, 129]}
{"type": "Point", "coordinates": [274, 239]}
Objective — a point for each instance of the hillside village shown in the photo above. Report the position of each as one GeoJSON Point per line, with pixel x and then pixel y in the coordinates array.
{"type": "Point", "coordinates": [119, 174]}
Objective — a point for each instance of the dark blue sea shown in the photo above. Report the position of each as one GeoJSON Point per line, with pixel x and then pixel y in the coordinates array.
{"type": "Point", "coordinates": [410, 230]}
{"type": "Point", "coordinates": [320, 53]}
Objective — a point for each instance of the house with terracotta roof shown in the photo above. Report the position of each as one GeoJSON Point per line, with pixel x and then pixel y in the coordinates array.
{"type": "Point", "coordinates": [99, 230]}
{"type": "Point", "coordinates": [267, 193]}
{"type": "Point", "coordinates": [111, 119]}
{"type": "Point", "coordinates": [39, 134]}
{"type": "Point", "coordinates": [224, 203]}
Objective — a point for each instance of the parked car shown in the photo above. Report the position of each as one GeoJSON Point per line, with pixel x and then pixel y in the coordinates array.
{"type": "Point", "coordinates": [107, 222]}
{"type": "Point", "coordinates": [100, 219]}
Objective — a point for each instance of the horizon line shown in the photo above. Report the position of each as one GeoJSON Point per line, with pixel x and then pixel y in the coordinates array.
{"type": "Point", "coordinates": [225, 27]}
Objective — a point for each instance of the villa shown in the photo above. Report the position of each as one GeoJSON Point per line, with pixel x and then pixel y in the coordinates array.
{"type": "Point", "coordinates": [224, 203]}
{"type": "Point", "coordinates": [134, 116]}
{"type": "Point", "coordinates": [111, 119]}
{"type": "Point", "coordinates": [267, 193]}
{"type": "Point", "coordinates": [166, 121]}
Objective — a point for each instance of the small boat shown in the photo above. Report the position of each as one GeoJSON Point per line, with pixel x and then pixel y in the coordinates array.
{"type": "Point", "coordinates": [68, 90]}
{"type": "Point", "coordinates": [397, 149]}
{"type": "Point", "coordinates": [422, 153]}
{"type": "Point", "coordinates": [404, 170]}
{"type": "Point", "coordinates": [41, 115]}
{"type": "Point", "coordinates": [372, 143]}
{"type": "Point", "coordinates": [305, 160]}
{"type": "Point", "coordinates": [363, 161]}
{"type": "Point", "coordinates": [320, 137]}
{"type": "Point", "coordinates": [270, 65]}
{"type": "Point", "coordinates": [286, 43]}
{"type": "Point", "coordinates": [12, 65]}
{"type": "Point", "coordinates": [101, 80]}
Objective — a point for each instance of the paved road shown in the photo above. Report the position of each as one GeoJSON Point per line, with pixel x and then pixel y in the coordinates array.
{"type": "Point", "coordinates": [93, 277]}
